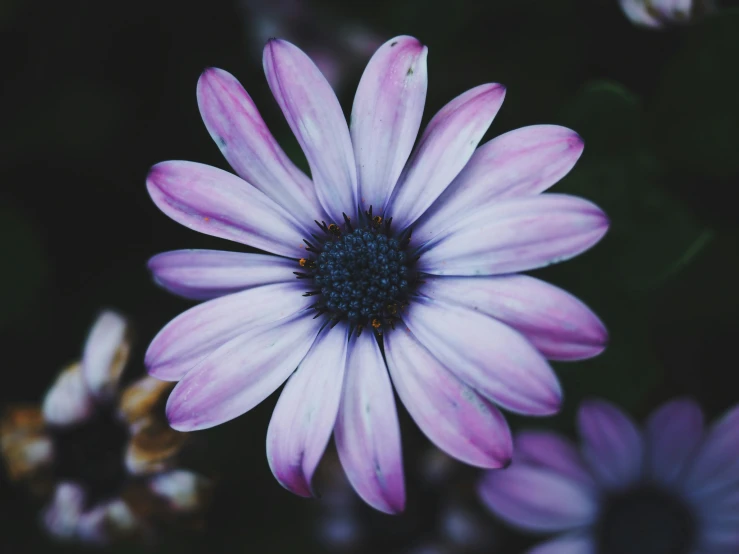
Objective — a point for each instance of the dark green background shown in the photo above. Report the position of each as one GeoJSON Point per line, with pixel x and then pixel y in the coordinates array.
{"type": "Point", "coordinates": [94, 93]}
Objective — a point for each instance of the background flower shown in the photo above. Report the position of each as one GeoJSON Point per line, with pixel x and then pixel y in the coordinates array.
{"type": "Point", "coordinates": [669, 488]}
{"type": "Point", "coordinates": [102, 456]}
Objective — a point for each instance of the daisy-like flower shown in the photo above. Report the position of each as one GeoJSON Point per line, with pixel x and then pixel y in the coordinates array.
{"type": "Point", "coordinates": [103, 457]}
{"type": "Point", "coordinates": [387, 264]}
{"type": "Point", "coordinates": [670, 488]}
{"type": "Point", "coordinates": [659, 14]}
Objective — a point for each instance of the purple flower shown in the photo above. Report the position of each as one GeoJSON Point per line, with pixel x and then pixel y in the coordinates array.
{"type": "Point", "coordinates": [658, 14]}
{"type": "Point", "coordinates": [444, 314]}
{"type": "Point", "coordinates": [101, 456]}
{"type": "Point", "coordinates": [671, 488]}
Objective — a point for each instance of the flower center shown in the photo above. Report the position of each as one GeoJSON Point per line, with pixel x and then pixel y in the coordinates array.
{"type": "Point", "coordinates": [92, 454]}
{"type": "Point", "coordinates": [360, 274]}
{"type": "Point", "coordinates": [646, 520]}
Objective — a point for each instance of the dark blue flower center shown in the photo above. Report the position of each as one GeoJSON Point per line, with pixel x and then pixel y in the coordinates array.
{"type": "Point", "coordinates": [360, 274]}
{"type": "Point", "coordinates": [646, 520]}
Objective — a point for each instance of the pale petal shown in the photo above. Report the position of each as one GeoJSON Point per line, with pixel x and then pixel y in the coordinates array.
{"type": "Point", "coordinates": [68, 400]}
{"type": "Point", "coordinates": [241, 373]}
{"type": "Point", "coordinates": [107, 522]}
{"type": "Point", "coordinates": [715, 467]}
{"type": "Point", "coordinates": [305, 414]}
{"type": "Point", "coordinates": [206, 274]}
{"type": "Point", "coordinates": [487, 355]}
{"type": "Point", "coordinates": [183, 490]}
{"type": "Point", "coordinates": [367, 431]}
{"type": "Point", "coordinates": [386, 116]}
{"type": "Point", "coordinates": [316, 119]}
{"type": "Point", "coordinates": [548, 450]}
{"type": "Point", "coordinates": [239, 131]}
{"type": "Point", "coordinates": [215, 202]}
{"type": "Point", "coordinates": [445, 147]}
{"type": "Point", "coordinates": [61, 517]}
{"type": "Point", "coordinates": [612, 444]}
{"type": "Point", "coordinates": [637, 12]}
{"type": "Point", "coordinates": [523, 162]}
{"type": "Point", "coordinates": [674, 432]}
{"type": "Point", "coordinates": [573, 543]}
{"type": "Point", "coordinates": [537, 499]}
{"type": "Point", "coordinates": [195, 334]}
{"type": "Point", "coordinates": [452, 414]}
{"type": "Point", "coordinates": [555, 322]}
{"type": "Point", "coordinates": [515, 235]}
{"type": "Point", "coordinates": [105, 354]}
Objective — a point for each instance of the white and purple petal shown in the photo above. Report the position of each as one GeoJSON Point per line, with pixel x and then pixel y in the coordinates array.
{"type": "Point", "coordinates": [238, 129]}
{"type": "Point", "coordinates": [61, 516]}
{"type": "Point", "coordinates": [611, 444]}
{"type": "Point", "coordinates": [68, 401]}
{"type": "Point", "coordinates": [548, 450]}
{"type": "Point", "coordinates": [207, 274]}
{"type": "Point", "coordinates": [105, 354]}
{"type": "Point", "coordinates": [515, 235]}
{"type": "Point", "coordinates": [674, 432]}
{"type": "Point", "coordinates": [571, 543]}
{"type": "Point", "coordinates": [367, 431]}
{"type": "Point", "coordinates": [241, 373]}
{"type": "Point", "coordinates": [195, 334]}
{"type": "Point", "coordinates": [489, 356]}
{"type": "Point", "coordinates": [315, 117]}
{"type": "Point", "coordinates": [537, 499]}
{"type": "Point", "coordinates": [522, 162]}
{"type": "Point", "coordinates": [305, 414]}
{"type": "Point", "coordinates": [452, 414]}
{"type": "Point", "coordinates": [182, 490]}
{"type": "Point", "coordinates": [714, 471]}
{"type": "Point", "coordinates": [639, 14]}
{"type": "Point", "coordinates": [215, 202]}
{"type": "Point", "coordinates": [386, 116]}
{"type": "Point", "coordinates": [559, 325]}
{"type": "Point", "coordinates": [443, 150]}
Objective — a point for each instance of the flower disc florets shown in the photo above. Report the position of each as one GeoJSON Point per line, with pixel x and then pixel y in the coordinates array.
{"type": "Point", "coordinates": [362, 274]}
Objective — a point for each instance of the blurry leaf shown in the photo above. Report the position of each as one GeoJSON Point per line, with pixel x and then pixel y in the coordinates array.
{"type": "Point", "coordinates": [653, 234]}
{"type": "Point", "coordinates": [24, 271]}
{"type": "Point", "coordinates": [696, 113]}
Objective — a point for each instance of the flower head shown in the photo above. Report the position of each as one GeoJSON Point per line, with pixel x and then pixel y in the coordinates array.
{"type": "Point", "coordinates": [658, 14]}
{"type": "Point", "coordinates": [670, 488]}
{"type": "Point", "coordinates": [103, 456]}
{"type": "Point", "coordinates": [388, 264]}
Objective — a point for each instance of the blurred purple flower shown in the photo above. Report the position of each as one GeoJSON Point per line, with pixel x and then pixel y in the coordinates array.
{"type": "Point", "coordinates": [104, 457]}
{"type": "Point", "coordinates": [671, 488]}
{"type": "Point", "coordinates": [445, 314]}
{"type": "Point", "coordinates": [659, 14]}
{"type": "Point", "coordinates": [336, 45]}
